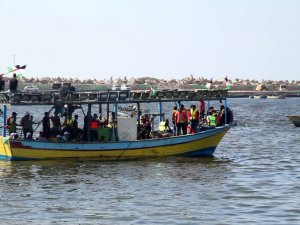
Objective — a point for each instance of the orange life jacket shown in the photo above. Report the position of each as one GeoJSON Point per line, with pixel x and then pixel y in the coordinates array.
{"type": "Point", "coordinates": [94, 124]}
{"type": "Point", "coordinates": [181, 114]}
{"type": "Point", "coordinates": [174, 115]}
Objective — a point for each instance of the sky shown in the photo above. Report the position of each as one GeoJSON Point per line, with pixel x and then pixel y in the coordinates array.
{"type": "Point", "coordinates": [246, 39]}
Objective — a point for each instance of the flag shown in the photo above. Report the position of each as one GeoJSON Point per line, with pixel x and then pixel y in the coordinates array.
{"type": "Point", "coordinates": [20, 67]}
{"type": "Point", "coordinates": [18, 70]}
{"type": "Point", "coordinates": [228, 85]}
{"type": "Point", "coordinates": [10, 69]}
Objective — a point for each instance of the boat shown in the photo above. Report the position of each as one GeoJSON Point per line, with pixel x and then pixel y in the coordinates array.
{"type": "Point", "coordinates": [260, 96]}
{"type": "Point", "coordinates": [295, 120]}
{"type": "Point", "coordinates": [200, 144]}
{"type": "Point", "coordinates": [276, 96]}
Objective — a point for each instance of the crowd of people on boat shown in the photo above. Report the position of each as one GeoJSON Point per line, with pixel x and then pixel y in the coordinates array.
{"type": "Point", "coordinates": [53, 128]}
{"type": "Point", "coordinates": [190, 121]}
{"type": "Point", "coordinates": [184, 121]}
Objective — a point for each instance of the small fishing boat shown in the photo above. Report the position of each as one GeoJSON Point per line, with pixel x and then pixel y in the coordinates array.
{"type": "Point", "coordinates": [260, 96]}
{"type": "Point", "coordinates": [295, 120]}
{"type": "Point", "coordinates": [276, 96]}
{"type": "Point", "coordinates": [129, 146]}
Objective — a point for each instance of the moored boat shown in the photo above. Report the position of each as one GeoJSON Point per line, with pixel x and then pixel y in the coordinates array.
{"type": "Point", "coordinates": [295, 120]}
{"type": "Point", "coordinates": [276, 96]}
{"type": "Point", "coordinates": [202, 143]}
{"type": "Point", "coordinates": [260, 96]}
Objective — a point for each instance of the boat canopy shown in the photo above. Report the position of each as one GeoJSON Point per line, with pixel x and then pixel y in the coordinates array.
{"type": "Point", "coordinates": [66, 96]}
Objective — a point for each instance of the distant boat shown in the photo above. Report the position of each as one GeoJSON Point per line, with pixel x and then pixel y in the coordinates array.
{"type": "Point", "coordinates": [260, 96]}
{"type": "Point", "coordinates": [276, 96]}
{"type": "Point", "coordinates": [295, 120]}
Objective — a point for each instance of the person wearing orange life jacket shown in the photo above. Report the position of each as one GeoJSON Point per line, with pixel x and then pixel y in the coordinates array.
{"type": "Point", "coordinates": [181, 120]}
{"type": "Point", "coordinates": [194, 119]}
{"type": "Point", "coordinates": [187, 112]}
{"type": "Point", "coordinates": [94, 125]}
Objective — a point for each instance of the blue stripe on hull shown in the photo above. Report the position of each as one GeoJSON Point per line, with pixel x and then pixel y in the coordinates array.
{"type": "Point", "coordinates": [4, 157]}
{"type": "Point", "coordinates": [13, 158]}
{"type": "Point", "coordinates": [208, 152]}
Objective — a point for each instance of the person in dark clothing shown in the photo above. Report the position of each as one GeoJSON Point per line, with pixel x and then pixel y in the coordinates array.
{"type": "Point", "coordinates": [56, 125]}
{"type": "Point", "coordinates": [13, 83]}
{"type": "Point", "coordinates": [229, 115]}
{"type": "Point", "coordinates": [2, 84]}
{"type": "Point", "coordinates": [46, 125]}
{"type": "Point", "coordinates": [146, 127]}
{"type": "Point", "coordinates": [76, 131]}
{"type": "Point", "coordinates": [72, 88]}
{"type": "Point", "coordinates": [25, 123]}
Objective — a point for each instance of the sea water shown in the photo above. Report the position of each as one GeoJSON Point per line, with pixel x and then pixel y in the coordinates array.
{"type": "Point", "coordinates": [254, 178]}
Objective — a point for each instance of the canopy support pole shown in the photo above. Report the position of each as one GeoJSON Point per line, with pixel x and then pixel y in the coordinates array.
{"type": "Point", "coordinates": [160, 111]}
{"type": "Point", "coordinates": [100, 111]}
{"type": "Point", "coordinates": [138, 118]}
{"type": "Point", "coordinates": [89, 115]}
{"type": "Point", "coordinates": [116, 108]}
{"type": "Point", "coordinates": [4, 121]}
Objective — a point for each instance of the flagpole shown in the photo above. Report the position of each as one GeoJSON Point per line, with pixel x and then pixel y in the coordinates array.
{"type": "Point", "coordinates": [14, 59]}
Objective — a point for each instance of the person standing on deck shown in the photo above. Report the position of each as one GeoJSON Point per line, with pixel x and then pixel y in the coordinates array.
{"type": "Point", "coordinates": [212, 118]}
{"type": "Point", "coordinates": [75, 131]}
{"type": "Point", "coordinates": [68, 124]}
{"type": "Point", "coordinates": [174, 112]}
{"type": "Point", "coordinates": [181, 120]}
{"type": "Point", "coordinates": [194, 119]}
{"type": "Point", "coordinates": [25, 123]}
{"type": "Point", "coordinates": [13, 83]}
{"type": "Point", "coordinates": [31, 122]}
{"type": "Point", "coordinates": [2, 84]}
{"type": "Point", "coordinates": [94, 125]}
{"type": "Point", "coordinates": [11, 123]}
{"type": "Point", "coordinates": [46, 125]}
{"type": "Point", "coordinates": [113, 127]}
{"type": "Point", "coordinates": [56, 125]}
{"type": "Point", "coordinates": [146, 127]}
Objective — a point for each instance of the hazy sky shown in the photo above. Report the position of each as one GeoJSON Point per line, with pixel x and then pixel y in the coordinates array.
{"type": "Point", "coordinates": [255, 39]}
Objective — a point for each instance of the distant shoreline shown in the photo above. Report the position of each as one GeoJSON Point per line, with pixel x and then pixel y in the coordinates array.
{"type": "Point", "coordinates": [234, 92]}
